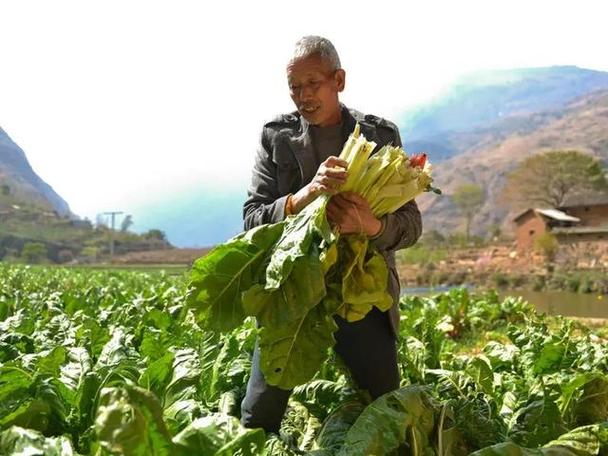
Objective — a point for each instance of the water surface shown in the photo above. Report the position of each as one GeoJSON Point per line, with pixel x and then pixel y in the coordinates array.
{"type": "Point", "coordinates": [550, 302]}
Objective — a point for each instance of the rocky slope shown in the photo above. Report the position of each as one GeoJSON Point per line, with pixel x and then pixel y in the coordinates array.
{"type": "Point", "coordinates": [23, 182]}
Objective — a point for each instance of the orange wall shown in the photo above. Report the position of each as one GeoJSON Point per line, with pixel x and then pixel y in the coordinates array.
{"type": "Point", "coordinates": [530, 226]}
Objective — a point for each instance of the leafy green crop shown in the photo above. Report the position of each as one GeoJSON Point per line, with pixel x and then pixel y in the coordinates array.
{"type": "Point", "coordinates": [100, 363]}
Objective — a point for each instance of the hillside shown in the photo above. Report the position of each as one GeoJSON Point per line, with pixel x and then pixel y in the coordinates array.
{"type": "Point", "coordinates": [581, 125]}
{"type": "Point", "coordinates": [23, 182]}
{"type": "Point", "coordinates": [64, 240]}
{"type": "Point", "coordinates": [490, 103]}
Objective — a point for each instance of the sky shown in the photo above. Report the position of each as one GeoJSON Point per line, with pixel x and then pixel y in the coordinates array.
{"type": "Point", "coordinates": [118, 104]}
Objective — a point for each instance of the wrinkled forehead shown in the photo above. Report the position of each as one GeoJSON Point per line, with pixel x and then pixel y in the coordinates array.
{"type": "Point", "coordinates": [309, 65]}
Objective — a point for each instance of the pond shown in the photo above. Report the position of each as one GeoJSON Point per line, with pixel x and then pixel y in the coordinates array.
{"type": "Point", "coordinates": [550, 302]}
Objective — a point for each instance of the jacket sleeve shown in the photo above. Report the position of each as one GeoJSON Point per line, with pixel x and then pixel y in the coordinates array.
{"type": "Point", "coordinates": [263, 204]}
{"type": "Point", "coordinates": [402, 228]}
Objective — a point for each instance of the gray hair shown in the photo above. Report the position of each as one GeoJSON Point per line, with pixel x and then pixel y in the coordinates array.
{"type": "Point", "coordinates": [316, 45]}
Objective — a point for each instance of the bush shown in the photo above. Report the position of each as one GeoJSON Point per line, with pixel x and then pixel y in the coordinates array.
{"type": "Point", "coordinates": [420, 254]}
{"type": "Point", "coordinates": [573, 283]}
{"type": "Point", "coordinates": [429, 267]}
{"type": "Point", "coordinates": [34, 252]}
{"type": "Point", "coordinates": [500, 280]}
{"type": "Point", "coordinates": [539, 283]}
{"type": "Point", "coordinates": [586, 285]}
{"type": "Point", "coordinates": [155, 234]}
{"type": "Point", "coordinates": [90, 251]}
{"type": "Point", "coordinates": [601, 284]}
{"type": "Point", "coordinates": [547, 244]}
{"type": "Point", "coordinates": [441, 278]}
{"type": "Point", "coordinates": [517, 281]}
{"type": "Point", "coordinates": [556, 282]}
{"type": "Point", "coordinates": [65, 256]}
{"type": "Point", "coordinates": [457, 278]}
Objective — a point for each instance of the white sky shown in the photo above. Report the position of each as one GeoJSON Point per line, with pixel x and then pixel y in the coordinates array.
{"type": "Point", "coordinates": [119, 103]}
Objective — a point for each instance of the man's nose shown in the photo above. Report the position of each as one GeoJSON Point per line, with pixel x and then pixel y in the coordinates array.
{"type": "Point", "coordinates": [306, 93]}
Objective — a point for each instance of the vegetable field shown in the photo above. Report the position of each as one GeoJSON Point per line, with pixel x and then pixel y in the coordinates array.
{"type": "Point", "coordinates": [99, 363]}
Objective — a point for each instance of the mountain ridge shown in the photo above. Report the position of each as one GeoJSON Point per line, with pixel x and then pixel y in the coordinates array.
{"type": "Point", "coordinates": [24, 183]}
{"type": "Point", "coordinates": [485, 99]}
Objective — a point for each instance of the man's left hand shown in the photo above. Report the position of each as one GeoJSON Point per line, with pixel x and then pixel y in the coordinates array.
{"type": "Point", "coordinates": [352, 214]}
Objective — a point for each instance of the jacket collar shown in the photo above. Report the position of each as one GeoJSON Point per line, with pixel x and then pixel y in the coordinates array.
{"type": "Point", "coordinates": [303, 148]}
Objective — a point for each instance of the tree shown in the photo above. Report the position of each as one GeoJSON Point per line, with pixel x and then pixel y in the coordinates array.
{"type": "Point", "coordinates": [126, 223]}
{"type": "Point", "coordinates": [34, 252]}
{"type": "Point", "coordinates": [468, 198]}
{"type": "Point", "coordinates": [155, 234]}
{"type": "Point", "coordinates": [549, 178]}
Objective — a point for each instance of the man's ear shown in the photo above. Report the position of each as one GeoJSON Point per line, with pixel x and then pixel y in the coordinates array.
{"type": "Point", "coordinates": [340, 79]}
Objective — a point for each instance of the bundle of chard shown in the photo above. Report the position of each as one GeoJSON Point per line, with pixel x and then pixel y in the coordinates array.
{"type": "Point", "coordinates": [295, 275]}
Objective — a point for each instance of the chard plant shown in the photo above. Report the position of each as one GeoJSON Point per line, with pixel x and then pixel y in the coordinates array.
{"type": "Point", "coordinates": [114, 363]}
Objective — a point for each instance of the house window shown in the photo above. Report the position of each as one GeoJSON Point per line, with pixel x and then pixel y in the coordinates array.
{"type": "Point", "coordinates": [531, 232]}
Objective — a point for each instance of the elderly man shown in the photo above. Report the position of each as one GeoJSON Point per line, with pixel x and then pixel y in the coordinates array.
{"type": "Point", "coordinates": [296, 162]}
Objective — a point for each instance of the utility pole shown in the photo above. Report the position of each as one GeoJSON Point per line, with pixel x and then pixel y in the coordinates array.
{"type": "Point", "coordinates": [112, 214]}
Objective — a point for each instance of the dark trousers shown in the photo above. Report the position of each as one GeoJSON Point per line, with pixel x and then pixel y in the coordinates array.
{"type": "Point", "coordinates": [367, 347]}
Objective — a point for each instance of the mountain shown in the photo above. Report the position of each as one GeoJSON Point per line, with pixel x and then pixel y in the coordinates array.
{"type": "Point", "coordinates": [490, 103]}
{"type": "Point", "coordinates": [23, 182]}
{"type": "Point", "coordinates": [495, 151]}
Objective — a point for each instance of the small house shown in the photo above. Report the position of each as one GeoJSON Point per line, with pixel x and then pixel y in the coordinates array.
{"type": "Point", "coordinates": [570, 224]}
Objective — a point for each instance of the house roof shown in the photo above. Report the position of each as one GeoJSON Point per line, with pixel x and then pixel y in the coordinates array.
{"type": "Point", "coordinates": [594, 199]}
{"type": "Point", "coordinates": [557, 215]}
{"type": "Point", "coordinates": [554, 214]}
{"type": "Point", "coordinates": [521, 214]}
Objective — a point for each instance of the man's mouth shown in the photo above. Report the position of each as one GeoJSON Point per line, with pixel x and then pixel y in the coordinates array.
{"type": "Point", "coordinates": [309, 109]}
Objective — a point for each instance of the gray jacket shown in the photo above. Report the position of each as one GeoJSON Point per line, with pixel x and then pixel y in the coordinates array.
{"type": "Point", "coordinates": [285, 162]}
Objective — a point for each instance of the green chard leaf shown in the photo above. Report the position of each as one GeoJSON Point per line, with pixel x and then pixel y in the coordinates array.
{"type": "Point", "coordinates": [293, 299]}
{"type": "Point", "coordinates": [18, 441]}
{"type": "Point", "coordinates": [302, 231]}
{"type": "Point", "coordinates": [218, 279]}
{"type": "Point", "coordinates": [335, 427]}
{"type": "Point", "coordinates": [291, 354]}
{"type": "Point", "coordinates": [130, 422]}
{"type": "Point", "coordinates": [404, 415]}
{"type": "Point", "coordinates": [583, 441]}
{"type": "Point", "coordinates": [537, 423]}
{"type": "Point", "coordinates": [219, 435]}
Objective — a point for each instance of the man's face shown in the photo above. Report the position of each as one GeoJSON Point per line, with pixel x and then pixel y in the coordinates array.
{"type": "Point", "coordinates": [314, 88]}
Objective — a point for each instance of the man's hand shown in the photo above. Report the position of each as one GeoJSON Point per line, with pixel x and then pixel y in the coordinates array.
{"type": "Point", "coordinates": [330, 176]}
{"type": "Point", "coordinates": [352, 214]}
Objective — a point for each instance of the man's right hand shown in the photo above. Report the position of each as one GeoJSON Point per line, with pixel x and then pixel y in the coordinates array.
{"type": "Point", "coordinates": [330, 176]}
